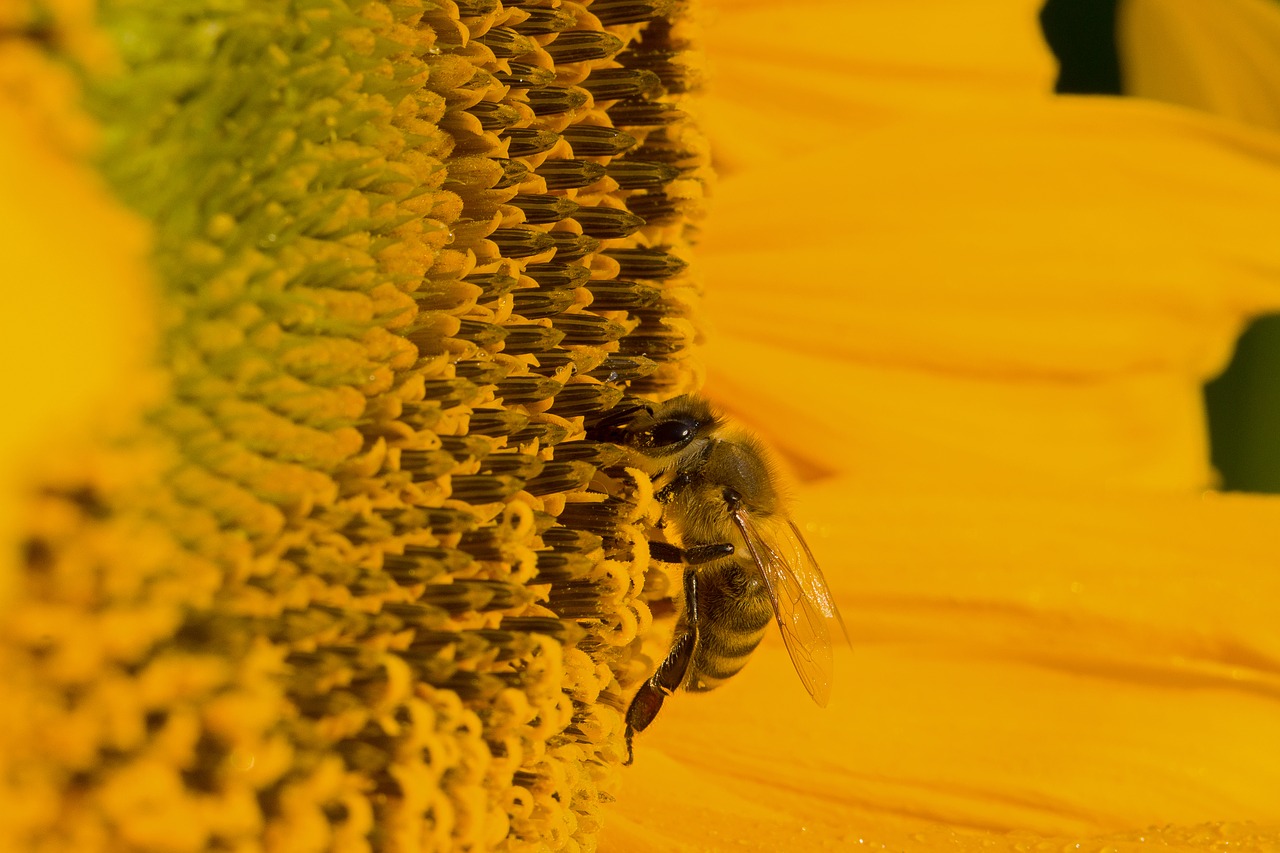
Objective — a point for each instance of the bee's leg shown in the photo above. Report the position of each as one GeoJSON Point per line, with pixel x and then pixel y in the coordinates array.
{"type": "Point", "coordinates": [700, 554]}
{"type": "Point", "coordinates": [670, 673]}
{"type": "Point", "coordinates": [667, 492]}
{"type": "Point", "coordinates": [666, 552]}
{"type": "Point", "coordinates": [695, 556]}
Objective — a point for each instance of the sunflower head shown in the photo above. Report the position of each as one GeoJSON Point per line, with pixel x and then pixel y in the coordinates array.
{"type": "Point", "coordinates": [354, 577]}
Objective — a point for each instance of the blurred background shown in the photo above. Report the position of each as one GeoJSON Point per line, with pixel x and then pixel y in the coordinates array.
{"type": "Point", "coordinates": [1244, 403]}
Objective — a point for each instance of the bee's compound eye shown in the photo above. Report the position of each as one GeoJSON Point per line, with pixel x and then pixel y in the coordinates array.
{"type": "Point", "coordinates": [675, 431]}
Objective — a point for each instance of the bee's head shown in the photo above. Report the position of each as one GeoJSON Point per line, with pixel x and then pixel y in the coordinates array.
{"type": "Point", "coordinates": [661, 435]}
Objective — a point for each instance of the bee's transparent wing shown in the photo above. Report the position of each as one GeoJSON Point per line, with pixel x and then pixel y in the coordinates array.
{"type": "Point", "coordinates": [814, 582]}
{"type": "Point", "coordinates": [801, 600]}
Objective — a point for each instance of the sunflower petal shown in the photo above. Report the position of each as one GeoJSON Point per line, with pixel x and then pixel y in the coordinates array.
{"type": "Point", "coordinates": [1222, 58]}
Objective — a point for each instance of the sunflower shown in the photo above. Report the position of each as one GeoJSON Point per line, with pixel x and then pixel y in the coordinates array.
{"type": "Point", "coordinates": [313, 549]}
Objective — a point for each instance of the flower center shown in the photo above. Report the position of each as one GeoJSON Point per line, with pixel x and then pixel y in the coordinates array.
{"type": "Point", "coordinates": [356, 575]}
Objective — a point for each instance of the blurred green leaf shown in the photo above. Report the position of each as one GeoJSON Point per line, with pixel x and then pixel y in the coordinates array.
{"type": "Point", "coordinates": [1244, 412]}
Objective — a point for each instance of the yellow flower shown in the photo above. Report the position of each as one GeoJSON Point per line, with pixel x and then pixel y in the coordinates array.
{"type": "Point", "coordinates": [309, 553]}
{"type": "Point", "coordinates": [977, 318]}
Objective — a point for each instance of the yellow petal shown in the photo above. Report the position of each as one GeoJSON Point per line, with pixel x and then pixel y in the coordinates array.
{"type": "Point", "coordinates": [76, 327]}
{"type": "Point", "coordinates": [1222, 58]}
{"type": "Point", "coordinates": [1066, 237]}
{"type": "Point", "coordinates": [815, 71]}
{"type": "Point", "coordinates": [885, 425]}
{"type": "Point", "coordinates": [1044, 293]}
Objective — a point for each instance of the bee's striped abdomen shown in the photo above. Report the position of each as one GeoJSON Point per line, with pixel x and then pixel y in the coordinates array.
{"type": "Point", "coordinates": [733, 614]}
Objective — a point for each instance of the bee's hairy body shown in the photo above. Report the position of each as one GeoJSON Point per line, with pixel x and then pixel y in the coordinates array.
{"type": "Point", "coordinates": [745, 562]}
{"type": "Point", "coordinates": [732, 601]}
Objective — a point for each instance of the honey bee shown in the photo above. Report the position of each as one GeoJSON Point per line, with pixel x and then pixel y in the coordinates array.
{"type": "Point", "coordinates": [745, 560]}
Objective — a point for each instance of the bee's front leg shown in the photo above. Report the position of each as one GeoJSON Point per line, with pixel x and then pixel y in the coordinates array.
{"type": "Point", "coordinates": [670, 673]}
{"type": "Point", "coordinates": [695, 556]}
{"type": "Point", "coordinates": [672, 487]}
